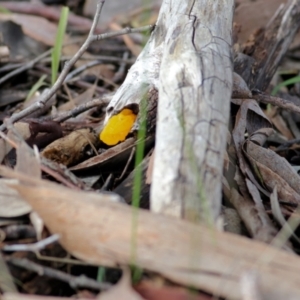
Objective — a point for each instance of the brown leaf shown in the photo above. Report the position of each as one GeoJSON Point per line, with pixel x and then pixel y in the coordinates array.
{"type": "Point", "coordinates": [274, 163]}
{"type": "Point", "coordinates": [11, 203]}
{"type": "Point", "coordinates": [70, 149]}
{"type": "Point", "coordinates": [122, 149]}
{"type": "Point", "coordinates": [252, 213]}
{"type": "Point", "coordinates": [244, 122]}
{"type": "Point", "coordinates": [279, 122]}
{"type": "Point", "coordinates": [96, 229]}
{"type": "Point", "coordinates": [270, 179]}
{"type": "Point", "coordinates": [151, 292]}
{"type": "Point", "coordinates": [27, 163]}
{"type": "Point", "coordinates": [23, 131]}
{"type": "Point", "coordinates": [18, 296]}
{"type": "Point", "coordinates": [260, 136]}
{"type": "Point", "coordinates": [37, 28]}
{"type": "Point", "coordinates": [122, 290]}
{"type": "Point", "coordinates": [280, 218]}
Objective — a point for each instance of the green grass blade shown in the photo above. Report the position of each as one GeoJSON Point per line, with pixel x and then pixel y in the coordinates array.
{"type": "Point", "coordinates": [4, 10]}
{"type": "Point", "coordinates": [56, 52]}
{"type": "Point", "coordinates": [137, 183]}
{"type": "Point", "coordinates": [290, 81]}
{"type": "Point", "coordinates": [41, 82]}
{"type": "Point", "coordinates": [101, 274]}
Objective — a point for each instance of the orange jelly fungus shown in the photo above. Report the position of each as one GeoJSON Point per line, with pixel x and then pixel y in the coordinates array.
{"type": "Point", "coordinates": [118, 127]}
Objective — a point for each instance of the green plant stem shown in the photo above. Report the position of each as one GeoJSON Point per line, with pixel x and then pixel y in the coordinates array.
{"type": "Point", "coordinates": [137, 183]}
{"type": "Point", "coordinates": [56, 52]}
{"type": "Point", "coordinates": [290, 81]}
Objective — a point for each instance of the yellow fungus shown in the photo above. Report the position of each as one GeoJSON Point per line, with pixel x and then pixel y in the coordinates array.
{"type": "Point", "coordinates": [118, 127]}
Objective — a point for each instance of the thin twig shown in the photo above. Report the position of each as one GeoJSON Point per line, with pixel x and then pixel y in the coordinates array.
{"type": "Point", "coordinates": [57, 171]}
{"type": "Point", "coordinates": [280, 102]}
{"type": "Point", "coordinates": [103, 58]}
{"type": "Point", "coordinates": [123, 31]}
{"type": "Point", "coordinates": [68, 65]}
{"type": "Point", "coordinates": [59, 177]}
{"type": "Point", "coordinates": [127, 164]}
{"type": "Point", "coordinates": [45, 97]}
{"type": "Point", "coordinates": [83, 68]}
{"type": "Point", "coordinates": [74, 281]}
{"type": "Point", "coordinates": [62, 174]}
{"type": "Point", "coordinates": [120, 73]}
{"type": "Point", "coordinates": [100, 102]}
{"type": "Point", "coordinates": [35, 247]}
{"type": "Point", "coordinates": [25, 67]}
{"type": "Point", "coordinates": [287, 144]}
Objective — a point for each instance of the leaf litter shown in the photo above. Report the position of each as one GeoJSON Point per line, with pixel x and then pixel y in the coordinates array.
{"type": "Point", "coordinates": [92, 221]}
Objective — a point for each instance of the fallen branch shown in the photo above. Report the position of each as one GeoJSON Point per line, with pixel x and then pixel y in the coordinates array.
{"type": "Point", "coordinates": [187, 59]}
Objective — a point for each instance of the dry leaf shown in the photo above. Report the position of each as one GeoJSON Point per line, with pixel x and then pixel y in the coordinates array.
{"type": "Point", "coordinates": [122, 151]}
{"type": "Point", "coordinates": [18, 296]}
{"type": "Point", "coordinates": [152, 292]}
{"type": "Point", "coordinates": [27, 163]}
{"type": "Point", "coordinates": [267, 231]}
{"type": "Point", "coordinates": [252, 214]}
{"type": "Point", "coordinates": [37, 223]}
{"type": "Point", "coordinates": [240, 88]}
{"type": "Point", "coordinates": [279, 217]}
{"type": "Point", "coordinates": [271, 169]}
{"type": "Point", "coordinates": [11, 203]}
{"type": "Point", "coordinates": [99, 231]}
{"type": "Point", "coordinates": [36, 27]}
{"type": "Point", "coordinates": [243, 123]}
{"type": "Point", "coordinates": [23, 131]}
{"type": "Point", "coordinates": [71, 148]}
{"type": "Point", "coordinates": [122, 290]}
{"type": "Point", "coordinates": [278, 121]}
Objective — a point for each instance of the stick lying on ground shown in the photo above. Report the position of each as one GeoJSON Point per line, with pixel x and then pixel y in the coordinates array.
{"type": "Point", "coordinates": [187, 59]}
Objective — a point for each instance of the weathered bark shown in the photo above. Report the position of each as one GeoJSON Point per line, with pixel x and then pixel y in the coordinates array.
{"type": "Point", "coordinates": [193, 109]}
{"type": "Point", "coordinates": [188, 59]}
{"type": "Point", "coordinates": [270, 45]}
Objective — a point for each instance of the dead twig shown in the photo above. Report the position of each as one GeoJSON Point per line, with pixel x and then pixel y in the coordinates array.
{"type": "Point", "coordinates": [25, 67]}
{"type": "Point", "coordinates": [74, 281]}
{"type": "Point", "coordinates": [120, 73]}
{"type": "Point", "coordinates": [280, 102]}
{"type": "Point", "coordinates": [68, 65]}
{"type": "Point", "coordinates": [82, 68]}
{"type": "Point", "coordinates": [35, 247]}
{"type": "Point", "coordinates": [99, 102]}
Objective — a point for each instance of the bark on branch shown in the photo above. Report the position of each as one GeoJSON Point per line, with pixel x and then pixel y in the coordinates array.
{"type": "Point", "coordinates": [193, 110]}
{"type": "Point", "coordinates": [188, 60]}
